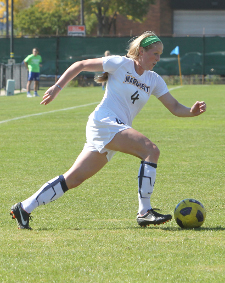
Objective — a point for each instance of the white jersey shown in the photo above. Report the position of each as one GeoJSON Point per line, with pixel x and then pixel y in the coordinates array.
{"type": "Point", "coordinates": [127, 92]}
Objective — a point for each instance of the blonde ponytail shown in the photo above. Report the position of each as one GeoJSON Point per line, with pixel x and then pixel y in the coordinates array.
{"type": "Point", "coordinates": [101, 78]}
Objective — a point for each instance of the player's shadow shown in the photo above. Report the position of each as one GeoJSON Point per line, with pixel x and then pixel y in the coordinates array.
{"type": "Point", "coordinates": [217, 228]}
{"type": "Point", "coordinates": [173, 229]}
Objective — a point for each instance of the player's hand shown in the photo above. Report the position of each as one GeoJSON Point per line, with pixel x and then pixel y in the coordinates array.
{"type": "Point", "coordinates": [198, 108]}
{"type": "Point", "coordinates": [50, 94]}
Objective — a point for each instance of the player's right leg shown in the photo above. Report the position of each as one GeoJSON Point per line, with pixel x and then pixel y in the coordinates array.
{"type": "Point", "coordinates": [28, 88]}
{"type": "Point", "coordinates": [31, 77]}
{"type": "Point", "coordinates": [87, 164]}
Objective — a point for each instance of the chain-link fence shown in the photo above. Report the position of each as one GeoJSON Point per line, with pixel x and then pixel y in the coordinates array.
{"type": "Point", "coordinates": [16, 72]}
{"type": "Point", "coordinates": [200, 57]}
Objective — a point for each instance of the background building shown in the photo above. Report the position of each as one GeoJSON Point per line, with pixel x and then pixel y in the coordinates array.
{"type": "Point", "coordinates": [179, 18]}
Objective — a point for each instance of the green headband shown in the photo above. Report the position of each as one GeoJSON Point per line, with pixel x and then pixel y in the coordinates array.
{"type": "Point", "coordinates": [149, 40]}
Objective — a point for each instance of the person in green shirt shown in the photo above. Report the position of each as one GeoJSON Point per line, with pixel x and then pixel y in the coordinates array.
{"type": "Point", "coordinates": [32, 63]}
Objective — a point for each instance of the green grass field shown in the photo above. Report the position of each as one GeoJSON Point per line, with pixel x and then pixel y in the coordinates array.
{"type": "Point", "coordinates": [91, 233]}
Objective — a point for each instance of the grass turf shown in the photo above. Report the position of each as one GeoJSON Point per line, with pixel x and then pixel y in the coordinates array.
{"type": "Point", "coordinates": [90, 234]}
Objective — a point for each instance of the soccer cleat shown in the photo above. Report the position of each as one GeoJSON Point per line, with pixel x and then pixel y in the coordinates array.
{"type": "Point", "coordinates": [29, 95]}
{"type": "Point", "coordinates": [36, 95]}
{"type": "Point", "coordinates": [21, 216]}
{"type": "Point", "coordinates": [153, 217]}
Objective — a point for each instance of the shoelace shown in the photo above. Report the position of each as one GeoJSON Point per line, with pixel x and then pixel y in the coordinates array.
{"type": "Point", "coordinates": [156, 208]}
{"type": "Point", "coordinates": [151, 209]}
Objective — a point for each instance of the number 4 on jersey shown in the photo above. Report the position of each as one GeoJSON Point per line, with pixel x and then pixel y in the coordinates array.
{"type": "Point", "coordinates": [135, 96]}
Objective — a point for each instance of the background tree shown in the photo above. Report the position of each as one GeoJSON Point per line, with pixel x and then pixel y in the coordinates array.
{"type": "Point", "coordinates": [18, 5]}
{"type": "Point", "coordinates": [21, 4]}
{"type": "Point", "coordinates": [106, 12]}
{"type": "Point", "coordinates": [53, 16]}
{"type": "Point", "coordinates": [47, 17]}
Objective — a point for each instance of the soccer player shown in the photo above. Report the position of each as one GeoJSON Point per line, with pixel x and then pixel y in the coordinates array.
{"type": "Point", "coordinates": [32, 63]}
{"type": "Point", "coordinates": [130, 83]}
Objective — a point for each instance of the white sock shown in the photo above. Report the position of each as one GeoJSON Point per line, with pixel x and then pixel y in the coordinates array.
{"type": "Point", "coordinates": [146, 181]}
{"type": "Point", "coordinates": [49, 192]}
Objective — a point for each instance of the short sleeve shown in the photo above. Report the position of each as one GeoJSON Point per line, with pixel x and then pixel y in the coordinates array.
{"type": "Point", "coordinates": [160, 87]}
{"type": "Point", "coordinates": [27, 58]}
{"type": "Point", "coordinates": [112, 63]}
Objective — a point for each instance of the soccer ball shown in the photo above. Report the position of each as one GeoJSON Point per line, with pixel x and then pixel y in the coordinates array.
{"type": "Point", "coordinates": [189, 213]}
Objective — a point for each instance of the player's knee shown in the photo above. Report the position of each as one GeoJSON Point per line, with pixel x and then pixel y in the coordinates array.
{"type": "Point", "coordinates": [152, 151]}
{"type": "Point", "coordinates": [156, 151]}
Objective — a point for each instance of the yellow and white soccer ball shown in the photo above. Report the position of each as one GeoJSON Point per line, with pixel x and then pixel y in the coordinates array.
{"type": "Point", "coordinates": [190, 213]}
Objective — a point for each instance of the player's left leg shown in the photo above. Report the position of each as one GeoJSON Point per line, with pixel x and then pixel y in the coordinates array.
{"type": "Point", "coordinates": [132, 142]}
{"type": "Point", "coordinates": [146, 214]}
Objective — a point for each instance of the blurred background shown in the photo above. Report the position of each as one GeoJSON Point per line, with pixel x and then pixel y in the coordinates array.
{"type": "Point", "coordinates": [66, 31]}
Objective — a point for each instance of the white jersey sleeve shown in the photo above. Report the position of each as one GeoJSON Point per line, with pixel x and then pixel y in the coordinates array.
{"type": "Point", "coordinates": [112, 63]}
{"type": "Point", "coordinates": [160, 87]}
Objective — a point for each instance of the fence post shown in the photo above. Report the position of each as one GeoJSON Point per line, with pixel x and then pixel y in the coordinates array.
{"type": "Point", "coordinates": [20, 78]}
{"type": "Point", "coordinates": [57, 59]}
{"type": "Point", "coordinates": [203, 59]}
{"type": "Point", "coordinates": [0, 77]}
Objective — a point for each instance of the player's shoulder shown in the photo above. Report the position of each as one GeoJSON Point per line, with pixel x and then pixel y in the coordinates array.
{"type": "Point", "coordinates": [153, 75]}
{"type": "Point", "coordinates": [28, 57]}
{"type": "Point", "coordinates": [116, 59]}
{"type": "Point", "coordinates": [114, 62]}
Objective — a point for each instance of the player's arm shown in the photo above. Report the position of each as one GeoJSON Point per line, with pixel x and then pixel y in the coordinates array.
{"type": "Point", "coordinates": [180, 110]}
{"type": "Point", "coordinates": [40, 63]}
{"type": "Point", "coordinates": [89, 65]}
{"type": "Point", "coordinates": [26, 65]}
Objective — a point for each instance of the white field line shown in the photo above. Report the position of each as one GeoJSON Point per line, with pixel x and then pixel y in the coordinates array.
{"type": "Point", "coordinates": [176, 87]}
{"type": "Point", "coordinates": [43, 113]}
{"type": "Point", "coordinates": [64, 109]}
